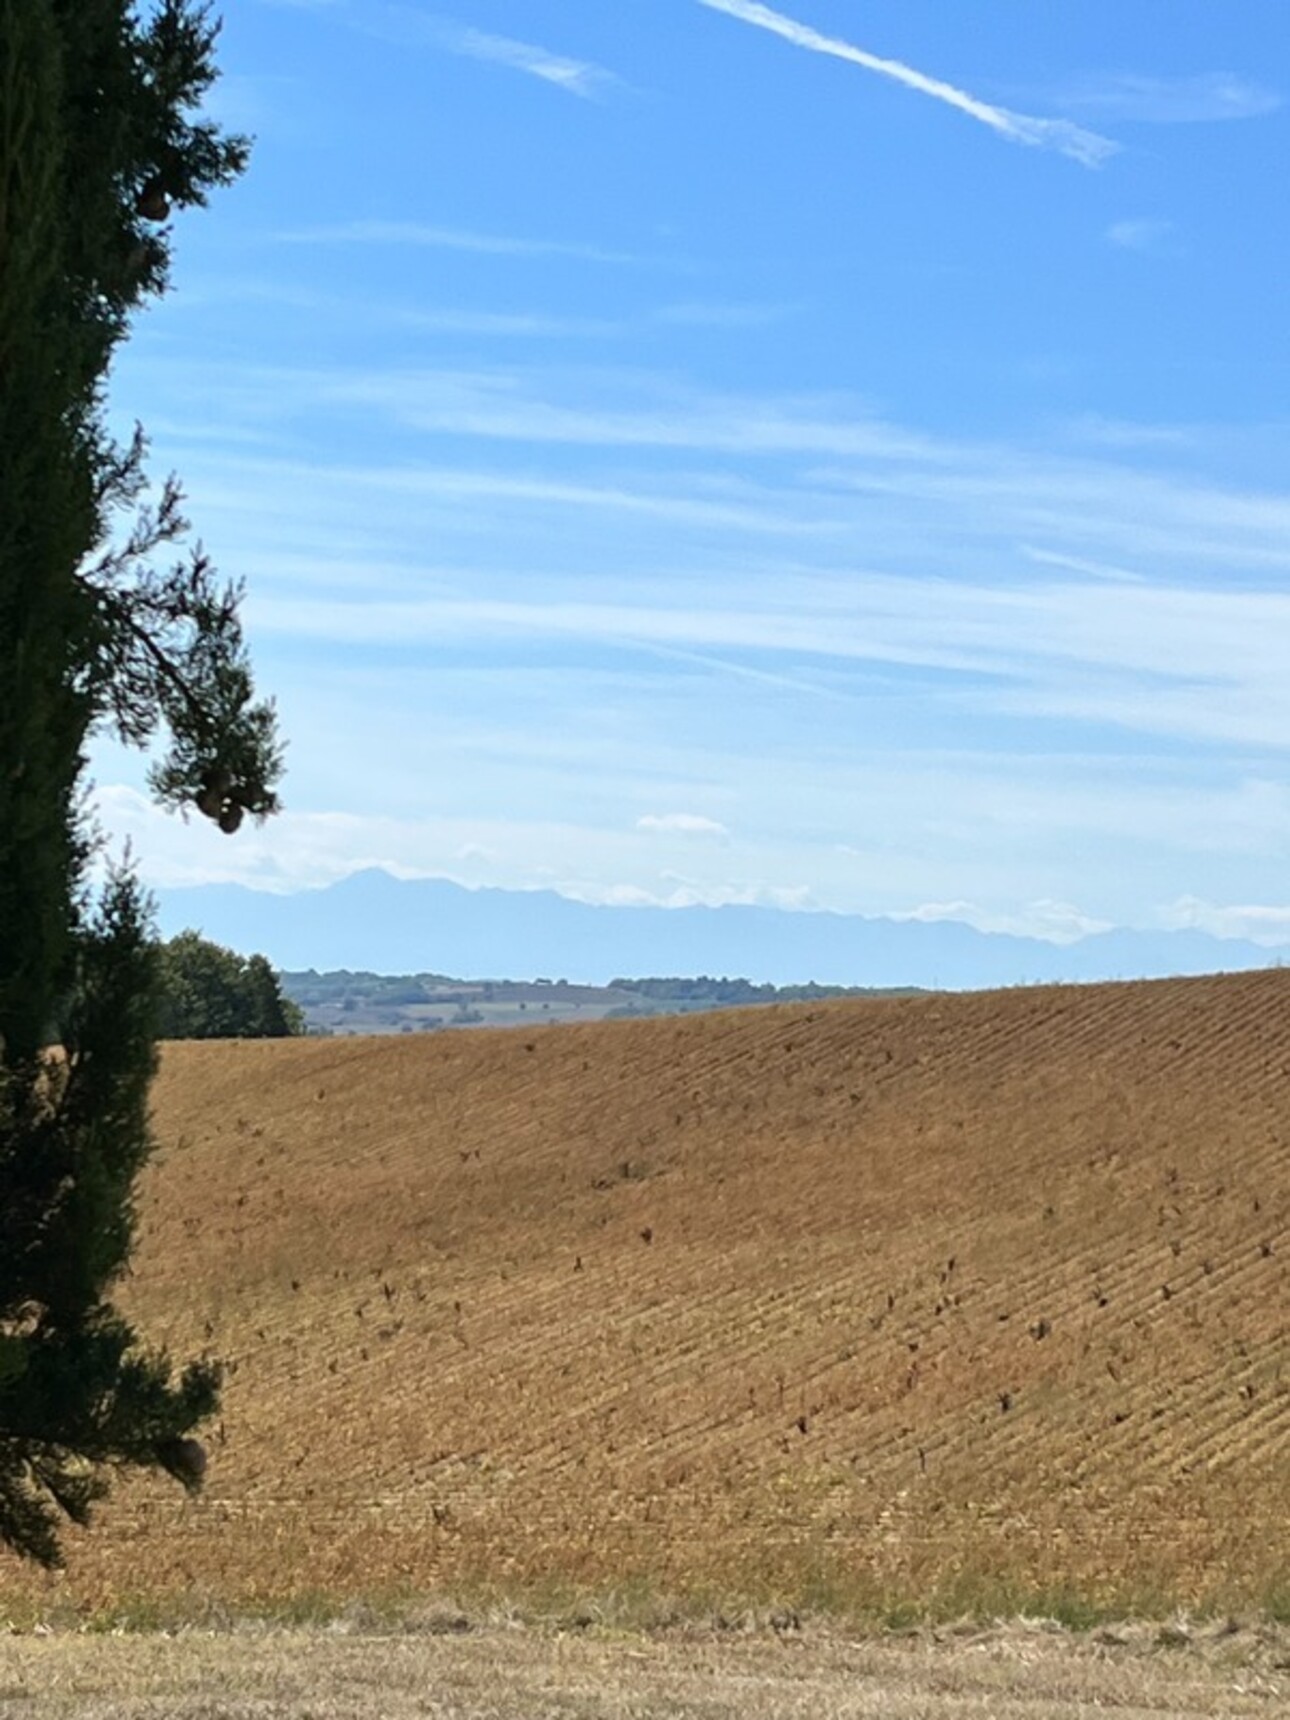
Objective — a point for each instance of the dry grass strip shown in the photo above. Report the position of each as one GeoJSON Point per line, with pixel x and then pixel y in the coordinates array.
{"type": "Point", "coordinates": [497, 1673]}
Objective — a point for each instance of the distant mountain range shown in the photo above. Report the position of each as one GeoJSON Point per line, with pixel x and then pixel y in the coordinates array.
{"type": "Point", "coordinates": [374, 922]}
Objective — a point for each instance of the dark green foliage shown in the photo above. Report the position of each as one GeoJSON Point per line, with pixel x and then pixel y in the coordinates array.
{"type": "Point", "coordinates": [209, 992]}
{"type": "Point", "coordinates": [100, 138]}
{"type": "Point", "coordinates": [77, 1392]}
{"type": "Point", "coordinates": [166, 651]}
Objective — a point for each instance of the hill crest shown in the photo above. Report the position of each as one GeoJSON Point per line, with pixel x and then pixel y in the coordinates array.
{"type": "Point", "coordinates": [880, 1293]}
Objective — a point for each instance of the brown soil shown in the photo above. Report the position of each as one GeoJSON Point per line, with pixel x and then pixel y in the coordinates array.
{"type": "Point", "coordinates": [952, 1299]}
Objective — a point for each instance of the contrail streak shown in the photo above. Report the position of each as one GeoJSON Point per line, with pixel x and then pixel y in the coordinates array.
{"type": "Point", "coordinates": [1086, 147]}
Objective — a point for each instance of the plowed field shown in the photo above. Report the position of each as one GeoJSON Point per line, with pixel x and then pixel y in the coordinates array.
{"type": "Point", "coordinates": [953, 1296]}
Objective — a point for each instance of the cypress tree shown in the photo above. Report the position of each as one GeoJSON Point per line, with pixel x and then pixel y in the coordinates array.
{"type": "Point", "coordinates": [101, 138]}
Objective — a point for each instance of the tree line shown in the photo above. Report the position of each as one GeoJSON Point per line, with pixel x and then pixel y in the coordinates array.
{"type": "Point", "coordinates": [209, 992]}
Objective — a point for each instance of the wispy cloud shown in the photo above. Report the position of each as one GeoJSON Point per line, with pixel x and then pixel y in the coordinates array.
{"type": "Point", "coordinates": [823, 469]}
{"type": "Point", "coordinates": [578, 77]}
{"type": "Point", "coordinates": [499, 405]}
{"type": "Point", "coordinates": [1259, 923]}
{"type": "Point", "coordinates": [1155, 661]}
{"type": "Point", "coordinates": [382, 313]}
{"type": "Point", "coordinates": [1169, 101]}
{"type": "Point", "coordinates": [681, 824]}
{"type": "Point", "coordinates": [390, 21]}
{"type": "Point", "coordinates": [735, 508]}
{"type": "Point", "coordinates": [1055, 922]}
{"type": "Point", "coordinates": [1086, 147]}
{"type": "Point", "coordinates": [1082, 564]}
{"type": "Point", "coordinates": [728, 666]}
{"type": "Point", "coordinates": [1102, 432]}
{"type": "Point", "coordinates": [505, 325]}
{"type": "Point", "coordinates": [425, 234]}
{"type": "Point", "coordinates": [1142, 233]}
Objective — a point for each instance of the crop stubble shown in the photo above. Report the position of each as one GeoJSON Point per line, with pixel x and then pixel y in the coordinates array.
{"type": "Point", "coordinates": [927, 1299]}
{"type": "Point", "coordinates": [1018, 1672]}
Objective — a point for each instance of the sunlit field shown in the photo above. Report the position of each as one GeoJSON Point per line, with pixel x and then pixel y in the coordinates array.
{"type": "Point", "coordinates": [506, 1673]}
{"type": "Point", "coordinates": [915, 1308]}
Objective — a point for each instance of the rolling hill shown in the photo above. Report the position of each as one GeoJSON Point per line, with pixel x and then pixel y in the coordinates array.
{"type": "Point", "coordinates": [949, 1296]}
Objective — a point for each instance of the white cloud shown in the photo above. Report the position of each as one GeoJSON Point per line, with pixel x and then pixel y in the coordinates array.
{"type": "Point", "coordinates": [506, 325]}
{"type": "Point", "coordinates": [1086, 147]}
{"type": "Point", "coordinates": [310, 850]}
{"type": "Point", "coordinates": [681, 823]}
{"type": "Point", "coordinates": [1170, 101]}
{"type": "Point", "coordinates": [674, 892]}
{"type": "Point", "coordinates": [888, 491]}
{"type": "Point", "coordinates": [442, 319]}
{"type": "Point", "coordinates": [1266, 925]}
{"type": "Point", "coordinates": [1008, 836]}
{"type": "Point", "coordinates": [1081, 564]}
{"type": "Point", "coordinates": [457, 626]}
{"type": "Point", "coordinates": [697, 510]}
{"type": "Point", "coordinates": [1167, 614]}
{"type": "Point", "coordinates": [1054, 922]}
{"type": "Point", "coordinates": [425, 234]}
{"type": "Point", "coordinates": [578, 77]}
{"type": "Point", "coordinates": [1103, 432]}
{"type": "Point", "coordinates": [1143, 233]}
{"type": "Point", "coordinates": [1147, 657]}
{"type": "Point", "coordinates": [685, 893]}
{"type": "Point", "coordinates": [390, 21]}
{"type": "Point", "coordinates": [645, 412]}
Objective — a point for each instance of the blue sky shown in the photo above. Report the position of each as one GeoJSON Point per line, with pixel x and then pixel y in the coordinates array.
{"type": "Point", "coordinates": [688, 450]}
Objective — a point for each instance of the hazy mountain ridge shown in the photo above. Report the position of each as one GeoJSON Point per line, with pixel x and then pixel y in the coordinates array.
{"type": "Point", "coordinates": [375, 922]}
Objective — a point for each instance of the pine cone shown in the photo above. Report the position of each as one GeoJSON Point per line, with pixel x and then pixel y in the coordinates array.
{"type": "Point", "coordinates": [152, 202]}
